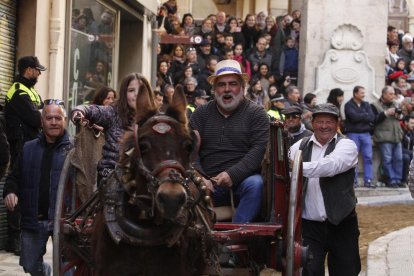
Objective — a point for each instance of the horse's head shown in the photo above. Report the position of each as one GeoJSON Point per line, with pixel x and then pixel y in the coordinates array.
{"type": "Point", "coordinates": [163, 149]}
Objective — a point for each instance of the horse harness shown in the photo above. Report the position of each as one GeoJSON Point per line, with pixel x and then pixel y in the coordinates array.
{"type": "Point", "coordinates": [121, 229]}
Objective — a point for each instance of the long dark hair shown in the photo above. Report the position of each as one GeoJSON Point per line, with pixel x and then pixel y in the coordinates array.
{"type": "Point", "coordinates": [125, 112]}
{"type": "Point", "coordinates": [101, 95]}
{"type": "Point", "coordinates": [333, 96]}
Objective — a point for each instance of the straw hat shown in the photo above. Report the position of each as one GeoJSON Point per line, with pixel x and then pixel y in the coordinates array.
{"type": "Point", "coordinates": [227, 67]}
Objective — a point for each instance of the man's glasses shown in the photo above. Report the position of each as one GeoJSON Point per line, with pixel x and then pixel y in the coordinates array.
{"type": "Point", "coordinates": [54, 101]}
{"type": "Point", "coordinates": [295, 116]}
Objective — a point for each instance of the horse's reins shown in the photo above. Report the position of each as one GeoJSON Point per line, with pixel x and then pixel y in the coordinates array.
{"type": "Point", "coordinates": [177, 174]}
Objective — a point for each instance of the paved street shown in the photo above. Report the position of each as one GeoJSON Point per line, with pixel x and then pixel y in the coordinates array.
{"type": "Point", "coordinates": [9, 263]}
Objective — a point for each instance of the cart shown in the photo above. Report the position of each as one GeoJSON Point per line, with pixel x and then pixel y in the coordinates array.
{"type": "Point", "coordinates": [272, 244]}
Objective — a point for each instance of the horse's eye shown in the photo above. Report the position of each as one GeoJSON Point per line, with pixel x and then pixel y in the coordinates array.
{"type": "Point", "coordinates": [188, 146]}
{"type": "Point", "coordinates": [144, 146]}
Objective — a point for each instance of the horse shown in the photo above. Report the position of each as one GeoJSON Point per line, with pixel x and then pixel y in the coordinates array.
{"type": "Point", "coordinates": [156, 216]}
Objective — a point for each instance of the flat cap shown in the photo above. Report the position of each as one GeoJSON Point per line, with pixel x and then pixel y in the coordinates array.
{"type": "Point", "coordinates": [326, 108]}
{"type": "Point", "coordinates": [293, 109]}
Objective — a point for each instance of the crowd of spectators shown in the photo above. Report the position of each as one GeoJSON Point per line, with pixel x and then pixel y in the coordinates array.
{"type": "Point", "coordinates": [267, 49]}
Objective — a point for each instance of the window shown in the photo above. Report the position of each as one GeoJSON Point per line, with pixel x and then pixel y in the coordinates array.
{"type": "Point", "coordinates": [91, 51]}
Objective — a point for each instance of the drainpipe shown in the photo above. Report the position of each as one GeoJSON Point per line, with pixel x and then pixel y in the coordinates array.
{"type": "Point", "coordinates": [154, 39]}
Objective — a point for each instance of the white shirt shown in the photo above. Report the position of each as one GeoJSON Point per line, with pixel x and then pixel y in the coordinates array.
{"type": "Point", "coordinates": [341, 159]}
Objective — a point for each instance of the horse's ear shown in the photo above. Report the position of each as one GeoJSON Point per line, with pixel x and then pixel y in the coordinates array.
{"type": "Point", "coordinates": [178, 106]}
{"type": "Point", "coordinates": [145, 102]}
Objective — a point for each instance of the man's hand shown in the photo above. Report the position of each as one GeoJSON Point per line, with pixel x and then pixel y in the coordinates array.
{"type": "Point", "coordinates": [390, 111]}
{"type": "Point", "coordinates": [11, 201]}
{"type": "Point", "coordinates": [223, 180]}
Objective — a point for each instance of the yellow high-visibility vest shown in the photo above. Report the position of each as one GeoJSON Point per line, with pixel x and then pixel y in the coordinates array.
{"type": "Point", "coordinates": [275, 114]}
{"type": "Point", "coordinates": [192, 108]}
{"type": "Point", "coordinates": [34, 96]}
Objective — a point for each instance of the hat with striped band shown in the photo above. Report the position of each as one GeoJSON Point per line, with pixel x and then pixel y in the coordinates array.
{"type": "Point", "coordinates": [228, 67]}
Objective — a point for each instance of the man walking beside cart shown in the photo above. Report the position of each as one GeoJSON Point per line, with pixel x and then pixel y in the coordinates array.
{"type": "Point", "coordinates": [33, 184]}
{"type": "Point", "coordinates": [329, 220]}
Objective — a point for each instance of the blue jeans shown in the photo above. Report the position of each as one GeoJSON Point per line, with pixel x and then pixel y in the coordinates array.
{"type": "Point", "coordinates": [364, 146]}
{"type": "Point", "coordinates": [247, 198]}
{"type": "Point", "coordinates": [33, 248]}
{"type": "Point", "coordinates": [391, 155]}
{"type": "Point", "coordinates": [407, 156]}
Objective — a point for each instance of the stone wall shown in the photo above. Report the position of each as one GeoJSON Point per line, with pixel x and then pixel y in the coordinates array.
{"type": "Point", "coordinates": [361, 28]}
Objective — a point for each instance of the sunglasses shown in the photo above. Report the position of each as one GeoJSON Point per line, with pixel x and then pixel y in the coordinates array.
{"type": "Point", "coordinates": [54, 101]}
{"type": "Point", "coordinates": [191, 49]}
{"type": "Point", "coordinates": [292, 116]}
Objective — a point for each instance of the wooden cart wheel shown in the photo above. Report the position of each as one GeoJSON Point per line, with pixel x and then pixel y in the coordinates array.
{"type": "Point", "coordinates": [57, 235]}
{"type": "Point", "coordinates": [294, 251]}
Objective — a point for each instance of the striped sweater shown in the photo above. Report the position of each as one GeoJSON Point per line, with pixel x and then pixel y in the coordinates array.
{"type": "Point", "coordinates": [235, 144]}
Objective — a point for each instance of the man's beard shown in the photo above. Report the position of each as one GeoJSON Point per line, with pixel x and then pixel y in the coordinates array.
{"type": "Point", "coordinates": [294, 128]}
{"type": "Point", "coordinates": [229, 107]}
{"type": "Point", "coordinates": [31, 82]}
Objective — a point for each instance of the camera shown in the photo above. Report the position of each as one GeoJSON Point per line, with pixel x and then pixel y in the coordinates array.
{"type": "Point", "coordinates": [398, 110]}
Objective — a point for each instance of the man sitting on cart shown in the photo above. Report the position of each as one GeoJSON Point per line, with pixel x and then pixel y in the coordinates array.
{"type": "Point", "coordinates": [234, 133]}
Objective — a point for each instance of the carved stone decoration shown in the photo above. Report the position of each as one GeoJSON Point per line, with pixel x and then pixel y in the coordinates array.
{"type": "Point", "coordinates": [347, 37]}
{"type": "Point", "coordinates": [345, 66]}
{"type": "Point", "coordinates": [345, 69]}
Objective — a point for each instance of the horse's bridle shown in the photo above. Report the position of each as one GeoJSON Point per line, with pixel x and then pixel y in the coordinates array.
{"type": "Point", "coordinates": [123, 229]}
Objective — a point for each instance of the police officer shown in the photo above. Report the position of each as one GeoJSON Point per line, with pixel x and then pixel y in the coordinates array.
{"type": "Point", "coordinates": [22, 124]}
{"type": "Point", "coordinates": [200, 98]}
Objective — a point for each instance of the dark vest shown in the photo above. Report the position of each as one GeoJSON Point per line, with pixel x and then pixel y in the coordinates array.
{"type": "Point", "coordinates": [337, 191]}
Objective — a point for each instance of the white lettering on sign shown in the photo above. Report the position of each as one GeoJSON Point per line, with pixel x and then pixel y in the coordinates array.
{"type": "Point", "coordinates": [76, 57]}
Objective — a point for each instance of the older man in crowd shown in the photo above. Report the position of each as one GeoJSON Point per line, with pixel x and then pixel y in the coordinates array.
{"type": "Point", "coordinates": [388, 135]}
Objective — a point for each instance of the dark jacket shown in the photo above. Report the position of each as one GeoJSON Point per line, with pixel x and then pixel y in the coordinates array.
{"type": "Point", "coordinates": [25, 178]}
{"type": "Point", "coordinates": [22, 119]}
{"type": "Point", "coordinates": [251, 35]}
{"type": "Point", "coordinates": [408, 141]}
{"type": "Point", "coordinates": [289, 61]}
{"type": "Point", "coordinates": [203, 82]}
{"type": "Point", "coordinates": [255, 59]}
{"type": "Point", "coordinates": [4, 149]}
{"type": "Point", "coordinates": [359, 119]}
